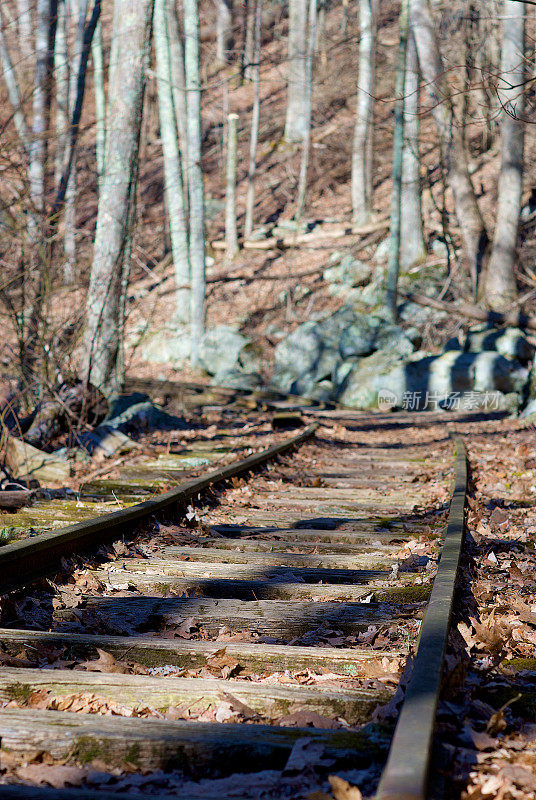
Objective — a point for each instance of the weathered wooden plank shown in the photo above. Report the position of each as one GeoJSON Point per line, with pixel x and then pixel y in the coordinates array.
{"type": "Point", "coordinates": [194, 747]}
{"type": "Point", "coordinates": [136, 691]}
{"type": "Point", "coordinates": [260, 589]}
{"type": "Point", "coordinates": [281, 545]}
{"type": "Point", "coordinates": [23, 562]}
{"type": "Point", "coordinates": [370, 560]}
{"type": "Point", "coordinates": [367, 534]}
{"type": "Point", "coordinates": [153, 652]}
{"type": "Point", "coordinates": [173, 566]}
{"type": "Point", "coordinates": [277, 619]}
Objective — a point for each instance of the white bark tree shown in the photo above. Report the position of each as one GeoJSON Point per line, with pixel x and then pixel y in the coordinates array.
{"type": "Point", "coordinates": [500, 282]}
{"type": "Point", "coordinates": [61, 80]}
{"type": "Point", "coordinates": [362, 151]}
{"type": "Point", "coordinates": [24, 19]}
{"type": "Point", "coordinates": [454, 153]}
{"type": "Point", "coordinates": [412, 245]}
{"type": "Point", "coordinates": [70, 195]}
{"type": "Point", "coordinates": [231, 231]}
{"type": "Point", "coordinates": [176, 54]}
{"type": "Point", "coordinates": [13, 90]}
{"type": "Point", "coordinates": [296, 116]}
{"type": "Point", "coordinates": [195, 176]}
{"type": "Point", "coordinates": [40, 107]}
{"type": "Point", "coordinates": [393, 266]}
{"type": "Point", "coordinates": [224, 30]}
{"type": "Point", "coordinates": [129, 54]}
{"type": "Point", "coordinates": [100, 100]}
{"type": "Point", "coordinates": [255, 118]}
{"type": "Point", "coordinates": [308, 103]}
{"type": "Point", "coordinates": [178, 226]}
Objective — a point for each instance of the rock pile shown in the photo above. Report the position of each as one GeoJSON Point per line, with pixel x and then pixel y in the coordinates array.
{"type": "Point", "coordinates": [363, 361]}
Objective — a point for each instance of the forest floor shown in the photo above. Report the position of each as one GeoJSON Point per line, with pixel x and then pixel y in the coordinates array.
{"type": "Point", "coordinates": [273, 299]}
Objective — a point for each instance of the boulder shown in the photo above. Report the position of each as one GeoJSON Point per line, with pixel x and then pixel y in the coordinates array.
{"type": "Point", "coordinates": [130, 413]}
{"type": "Point", "coordinates": [348, 271]}
{"type": "Point", "coordinates": [169, 345]}
{"type": "Point", "coordinates": [316, 349]}
{"type": "Point", "coordinates": [358, 381]}
{"type": "Point", "coordinates": [28, 463]}
{"type": "Point", "coordinates": [220, 349]}
{"type": "Point", "coordinates": [417, 383]}
{"type": "Point", "coordinates": [369, 333]}
{"type": "Point", "coordinates": [509, 342]}
{"type": "Point", "coordinates": [237, 379]}
{"type": "Point", "coordinates": [382, 251]}
{"type": "Point", "coordinates": [106, 441]}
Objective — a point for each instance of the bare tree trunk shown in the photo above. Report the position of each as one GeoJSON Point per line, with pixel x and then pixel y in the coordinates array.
{"type": "Point", "coordinates": [412, 246]}
{"type": "Point", "coordinates": [41, 107]}
{"type": "Point", "coordinates": [224, 31]}
{"type": "Point", "coordinates": [231, 233]}
{"type": "Point", "coordinates": [255, 117]}
{"type": "Point", "coordinates": [362, 188]}
{"type": "Point", "coordinates": [100, 99]}
{"type": "Point", "coordinates": [393, 267]}
{"type": "Point", "coordinates": [248, 51]}
{"type": "Point", "coordinates": [176, 53]}
{"type": "Point", "coordinates": [296, 122]}
{"type": "Point", "coordinates": [69, 266]}
{"type": "Point", "coordinates": [308, 96]}
{"type": "Point", "coordinates": [195, 176]}
{"type": "Point", "coordinates": [61, 79]}
{"type": "Point", "coordinates": [472, 229]}
{"type": "Point", "coordinates": [129, 55]}
{"type": "Point", "coordinates": [172, 161]}
{"type": "Point", "coordinates": [13, 91]}
{"type": "Point", "coordinates": [500, 282]}
{"type": "Point", "coordinates": [77, 107]}
{"type": "Point", "coordinates": [24, 19]}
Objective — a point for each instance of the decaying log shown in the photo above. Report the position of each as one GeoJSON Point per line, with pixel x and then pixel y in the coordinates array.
{"type": "Point", "coordinates": [307, 238]}
{"type": "Point", "coordinates": [68, 405]}
{"type": "Point", "coordinates": [515, 319]}
{"type": "Point", "coordinates": [13, 500]}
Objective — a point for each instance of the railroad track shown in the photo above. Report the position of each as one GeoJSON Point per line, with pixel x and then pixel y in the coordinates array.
{"type": "Point", "coordinates": [271, 609]}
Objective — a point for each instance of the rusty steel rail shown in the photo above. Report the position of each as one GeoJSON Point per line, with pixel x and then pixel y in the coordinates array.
{"type": "Point", "coordinates": [405, 776]}
{"type": "Point", "coordinates": [26, 561]}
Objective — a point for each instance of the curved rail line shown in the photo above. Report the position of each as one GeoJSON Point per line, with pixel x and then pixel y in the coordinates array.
{"type": "Point", "coordinates": [23, 562]}
{"type": "Point", "coordinates": [405, 776]}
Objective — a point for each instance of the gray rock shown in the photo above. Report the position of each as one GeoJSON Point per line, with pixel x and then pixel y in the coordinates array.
{"type": "Point", "coordinates": [439, 248]}
{"type": "Point", "coordinates": [509, 342]}
{"type": "Point", "coordinates": [236, 379]}
{"type": "Point", "coordinates": [298, 353]}
{"type": "Point", "coordinates": [530, 409]}
{"type": "Point", "coordinates": [251, 357]}
{"type": "Point", "coordinates": [453, 344]}
{"type": "Point", "coordinates": [425, 382]}
{"type": "Point", "coordinates": [106, 440]}
{"type": "Point", "coordinates": [213, 207]}
{"type": "Point", "coordinates": [358, 382]}
{"type": "Point", "coordinates": [323, 391]}
{"type": "Point", "coordinates": [134, 412]}
{"type": "Point", "coordinates": [220, 349]}
{"type": "Point", "coordinates": [170, 345]}
{"type": "Point", "coordinates": [349, 272]}
{"type": "Point", "coordinates": [382, 251]}
{"type": "Point", "coordinates": [369, 334]}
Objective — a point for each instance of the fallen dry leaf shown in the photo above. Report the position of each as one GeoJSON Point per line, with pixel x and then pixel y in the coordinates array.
{"type": "Point", "coordinates": [56, 776]}
{"type": "Point", "coordinates": [105, 663]}
{"type": "Point", "coordinates": [342, 790]}
{"type": "Point", "coordinates": [308, 719]}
